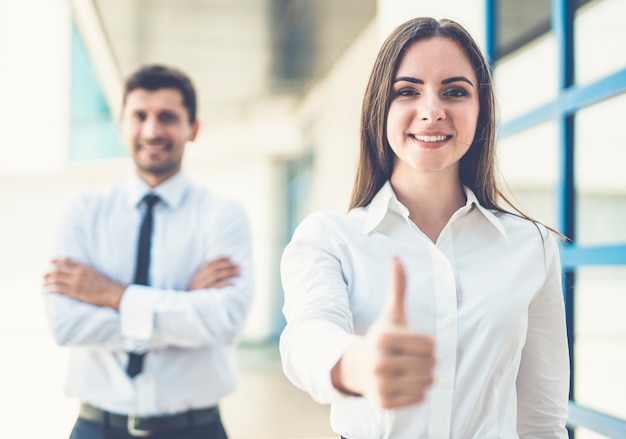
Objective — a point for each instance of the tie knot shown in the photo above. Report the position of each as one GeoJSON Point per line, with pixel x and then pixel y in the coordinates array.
{"type": "Point", "coordinates": [151, 200]}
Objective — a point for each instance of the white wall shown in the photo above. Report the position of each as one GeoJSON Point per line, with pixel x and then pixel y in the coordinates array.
{"type": "Point", "coordinates": [329, 118]}
{"type": "Point", "coordinates": [469, 13]}
{"type": "Point", "coordinates": [253, 181]}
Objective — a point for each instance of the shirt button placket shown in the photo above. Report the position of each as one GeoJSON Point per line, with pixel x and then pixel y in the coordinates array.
{"type": "Point", "coordinates": [447, 339]}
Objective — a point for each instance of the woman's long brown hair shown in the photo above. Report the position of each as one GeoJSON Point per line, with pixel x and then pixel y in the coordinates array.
{"type": "Point", "coordinates": [477, 168]}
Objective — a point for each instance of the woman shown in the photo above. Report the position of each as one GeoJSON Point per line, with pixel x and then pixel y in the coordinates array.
{"type": "Point", "coordinates": [465, 336]}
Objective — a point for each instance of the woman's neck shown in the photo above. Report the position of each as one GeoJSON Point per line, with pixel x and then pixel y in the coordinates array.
{"type": "Point", "coordinates": [431, 200]}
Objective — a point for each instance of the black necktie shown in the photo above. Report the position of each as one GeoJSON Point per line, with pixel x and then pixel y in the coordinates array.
{"type": "Point", "coordinates": [135, 361]}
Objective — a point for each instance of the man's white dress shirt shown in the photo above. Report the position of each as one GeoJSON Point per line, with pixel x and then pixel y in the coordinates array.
{"type": "Point", "coordinates": [489, 291]}
{"type": "Point", "coordinates": [189, 336]}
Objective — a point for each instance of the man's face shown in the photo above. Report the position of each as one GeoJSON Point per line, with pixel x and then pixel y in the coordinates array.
{"type": "Point", "coordinates": [155, 128]}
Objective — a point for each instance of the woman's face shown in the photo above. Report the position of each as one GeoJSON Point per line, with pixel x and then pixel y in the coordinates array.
{"type": "Point", "coordinates": [434, 108]}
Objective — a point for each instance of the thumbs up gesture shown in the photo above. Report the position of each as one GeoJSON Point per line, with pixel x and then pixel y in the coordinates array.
{"type": "Point", "coordinates": [391, 365]}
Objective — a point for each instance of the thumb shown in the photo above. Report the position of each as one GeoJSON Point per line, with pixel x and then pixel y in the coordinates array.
{"type": "Point", "coordinates": [395, 312]}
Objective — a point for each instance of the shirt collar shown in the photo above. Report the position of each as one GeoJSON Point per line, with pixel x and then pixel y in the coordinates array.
{"type": "Point", "coordinates": [171, 191]}
{"type": "Point", "coordinates": [385, 202]}
{"type": "Point", "coordinates": [491, 217]}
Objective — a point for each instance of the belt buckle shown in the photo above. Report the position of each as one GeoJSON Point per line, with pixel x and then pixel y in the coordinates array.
{"type": "Point", "coordinates": [134, 431]}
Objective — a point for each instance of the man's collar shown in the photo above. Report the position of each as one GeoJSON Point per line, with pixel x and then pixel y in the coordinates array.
{"type": "Point", "coordinates": [171, 191]}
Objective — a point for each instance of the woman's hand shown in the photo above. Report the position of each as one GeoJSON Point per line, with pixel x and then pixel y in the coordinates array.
{"type": "Point", "coordinates": [391, 365]}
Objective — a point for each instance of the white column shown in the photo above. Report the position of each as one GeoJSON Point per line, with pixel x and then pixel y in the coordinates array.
{"type": "Point", "coordinates": [35, 51]}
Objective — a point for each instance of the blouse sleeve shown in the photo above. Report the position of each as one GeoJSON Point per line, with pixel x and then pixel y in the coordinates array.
{"type": "Point", "coordinates": [543, 379]}
{"type": "Point", "coordinates": [319, 322]}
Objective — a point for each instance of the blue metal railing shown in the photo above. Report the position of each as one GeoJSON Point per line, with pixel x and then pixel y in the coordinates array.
{"type": "Point", "coordinates": [568, 102]}
{"type": "Point", "coordinates": [573, 256]}
{"type": "Point", "coordinates": [570, 99]}
{"type": "Point", "coordinates": [604, 424]}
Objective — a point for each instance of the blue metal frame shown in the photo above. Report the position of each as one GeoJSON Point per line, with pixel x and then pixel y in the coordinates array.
{"type": "Point", "coordinates": [568, 102]}
{"type": "Point", "coordinates": [609, 426]}
{"type": "Point", "coordinates": [562, 110]}
{"type": "Point", "coordinates": [573, 256]}
{"type": "Point", "coordinates": [491, 29]}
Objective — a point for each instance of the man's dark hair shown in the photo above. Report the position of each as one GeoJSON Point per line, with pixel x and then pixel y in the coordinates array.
{"type": "Point", "coordinates": [155, 77]}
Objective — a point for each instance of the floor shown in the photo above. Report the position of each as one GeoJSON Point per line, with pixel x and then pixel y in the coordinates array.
{"type": "Point", "coordinates": [267, 406]}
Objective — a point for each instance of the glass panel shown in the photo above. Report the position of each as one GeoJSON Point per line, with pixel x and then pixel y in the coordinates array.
{"type": "Point", "coordinates": [600, 346]}
{"type": "Point", "coordinates": [599, 32]}
{"type": "Point", "coordinates": [299, 180]}
{"type": "Point", "coordinates": [309, 37]}
{"type": "Point", "coordinates": [600, 177]}
{"type": "Point", "coordinates": [529, 164]}
{"type": "Point", "coordinates": [521, 22]}
{"type": "Point", "coordinates": [528, 79]}
{"type": "Point", "coordinates": [294, 40]}
{"type": "Point", "coordinates": [93, 131]}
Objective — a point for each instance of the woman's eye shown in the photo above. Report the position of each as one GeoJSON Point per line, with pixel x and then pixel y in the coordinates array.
{"type": "Point", "coordinates": [406, 92]}
{"type": "Point", "coordinates": [456, 93]}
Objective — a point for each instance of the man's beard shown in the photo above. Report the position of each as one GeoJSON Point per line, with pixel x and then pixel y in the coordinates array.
{"type": "Point", "coordinates": [160, 169]}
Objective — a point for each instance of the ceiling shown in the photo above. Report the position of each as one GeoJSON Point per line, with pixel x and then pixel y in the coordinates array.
{"type": "Point", "coordinates": [238, 52]}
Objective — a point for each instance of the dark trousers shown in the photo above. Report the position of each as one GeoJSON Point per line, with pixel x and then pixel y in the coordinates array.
{"type": "Point", "coordinates": [91, 430]}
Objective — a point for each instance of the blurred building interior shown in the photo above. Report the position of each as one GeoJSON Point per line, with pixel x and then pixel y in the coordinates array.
{"type": "Point", "coordinates": [280, 85]}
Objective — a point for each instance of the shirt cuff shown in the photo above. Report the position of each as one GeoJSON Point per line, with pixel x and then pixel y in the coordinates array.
{"type": "Point", "coordinates": [335, 351]}
{"type": "Point", "coordinates": [137, 313]}
{"type": "Point", "coordinates": [312, 355]}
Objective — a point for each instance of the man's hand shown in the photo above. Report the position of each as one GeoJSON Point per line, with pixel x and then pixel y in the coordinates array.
{"type": "Point", "coordinates": [391, 365]}
{"type": "Point", "coordinates": [81, 282]}
{"type": "Point", "coordinates": [214, 274]}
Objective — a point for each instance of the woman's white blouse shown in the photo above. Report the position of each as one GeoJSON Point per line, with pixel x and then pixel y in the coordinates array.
{"type": "Point", "coordinates": [489, 291]}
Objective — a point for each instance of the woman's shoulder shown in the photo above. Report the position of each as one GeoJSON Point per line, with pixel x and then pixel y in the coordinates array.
{"type": "Point", "coordinates": [518, 225]}
{"type": "Point", "coordinates": [327, 223]}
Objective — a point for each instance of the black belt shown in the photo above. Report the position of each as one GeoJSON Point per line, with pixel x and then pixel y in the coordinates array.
{"type": "Point", "coordinates": [147, 426]}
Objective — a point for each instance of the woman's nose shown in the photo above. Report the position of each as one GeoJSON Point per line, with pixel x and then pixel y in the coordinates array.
{"type": "Point", "coordinates": [430, 109]}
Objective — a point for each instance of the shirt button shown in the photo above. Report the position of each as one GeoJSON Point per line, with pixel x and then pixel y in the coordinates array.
{"type": "Point", "coordinates": [444, 382]}
{"type": "Point", "coordinates": [447, 321]}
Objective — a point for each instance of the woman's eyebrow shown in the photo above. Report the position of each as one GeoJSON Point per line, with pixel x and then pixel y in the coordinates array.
{"type": "Point", "coordinates": [456, 79]}
{"type": "Point", "coordinates": [444, 82]}
{"type": "Point", "coordinates": [408, 79]}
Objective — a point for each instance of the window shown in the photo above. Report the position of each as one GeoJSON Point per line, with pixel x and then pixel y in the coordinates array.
{"type": "Point", "coordinates": [519, 22]}
{"type": "Point", "coordinates": [589, 193]}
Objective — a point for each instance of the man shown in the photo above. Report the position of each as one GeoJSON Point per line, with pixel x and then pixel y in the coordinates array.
{"type": "Point", "coordinates": [151, 281]}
